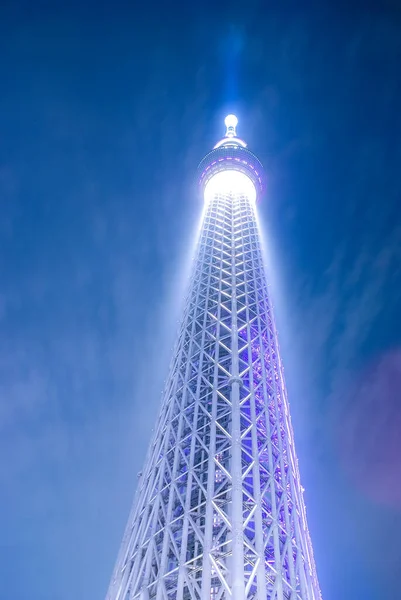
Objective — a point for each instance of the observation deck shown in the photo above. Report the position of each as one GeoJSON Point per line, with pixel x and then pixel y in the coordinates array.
{"type": "Point", "coordinates": [231, 153]}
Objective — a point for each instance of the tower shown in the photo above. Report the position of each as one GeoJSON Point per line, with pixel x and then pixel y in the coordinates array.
{"type": "Point", "coordinates": [219, 511]}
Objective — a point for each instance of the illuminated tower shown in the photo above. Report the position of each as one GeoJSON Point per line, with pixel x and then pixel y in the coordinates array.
{"type": "Point", "coordinates": [219, 511]}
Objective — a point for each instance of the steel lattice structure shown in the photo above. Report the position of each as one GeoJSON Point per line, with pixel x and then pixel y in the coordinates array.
{"type": "Point", "coordinates": [219, 511]}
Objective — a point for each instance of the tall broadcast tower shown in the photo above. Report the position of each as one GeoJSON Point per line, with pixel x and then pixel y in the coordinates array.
{"type": "Point", "coordinates": [219, 511]}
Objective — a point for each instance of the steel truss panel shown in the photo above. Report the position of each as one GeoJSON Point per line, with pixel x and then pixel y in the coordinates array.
{"type": "Point", "coordinates": [219, 511]}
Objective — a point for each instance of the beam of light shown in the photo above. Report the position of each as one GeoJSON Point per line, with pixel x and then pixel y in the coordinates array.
{"type": "Point", "coordinates": [232, 43]}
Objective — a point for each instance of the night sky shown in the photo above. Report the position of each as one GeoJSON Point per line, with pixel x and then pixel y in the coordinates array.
{"type": "Point", "coordinates": [106, 108]}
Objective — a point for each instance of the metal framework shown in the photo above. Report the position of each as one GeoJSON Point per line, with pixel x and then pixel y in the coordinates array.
{"type": "Point", "coordinates": [219, 511]}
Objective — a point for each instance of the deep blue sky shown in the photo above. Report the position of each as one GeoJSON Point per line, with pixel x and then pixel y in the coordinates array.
{"type": "Point", "coordinates": [105, 111]}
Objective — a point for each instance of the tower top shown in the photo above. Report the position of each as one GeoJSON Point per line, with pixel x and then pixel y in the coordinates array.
{"type": "Point", "coordinates": [231, 123]}
{"type": "Point", "coordinates": [231, 154]}
{"type": "Point", "coordinates": [230, 138]}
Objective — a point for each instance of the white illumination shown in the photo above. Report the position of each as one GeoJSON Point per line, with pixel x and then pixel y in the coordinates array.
{"type": "Point", "coordinates": [230, 182]}
{"type": "Point", "coordinates": [231, 121]}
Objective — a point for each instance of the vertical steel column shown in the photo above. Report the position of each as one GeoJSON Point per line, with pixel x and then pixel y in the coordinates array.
{"type": "Point", "coordinates": [237, 560]}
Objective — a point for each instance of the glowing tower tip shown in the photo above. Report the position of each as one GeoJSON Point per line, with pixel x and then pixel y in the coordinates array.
{"type": "Point", "coordinates": [231, 123]}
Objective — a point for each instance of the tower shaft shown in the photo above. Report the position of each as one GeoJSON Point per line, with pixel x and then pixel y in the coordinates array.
{"type": "Point", "coordinates": [219, 511]}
